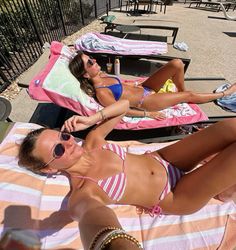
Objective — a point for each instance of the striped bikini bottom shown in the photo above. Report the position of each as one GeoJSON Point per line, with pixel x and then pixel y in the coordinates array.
{"type": "Point", "coordinates": [173, 176]}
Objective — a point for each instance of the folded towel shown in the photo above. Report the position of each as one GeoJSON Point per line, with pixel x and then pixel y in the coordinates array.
{"type": "Point", "coordinates": [227, 102]}
{"type": "Point", "coordinates": [181, 46]}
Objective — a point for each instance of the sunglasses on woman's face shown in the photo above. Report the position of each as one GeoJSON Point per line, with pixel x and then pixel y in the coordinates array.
{"type": "Point", "coordinates": [90, 62]}
{"type": "Point", "coordinates": [59, 148]}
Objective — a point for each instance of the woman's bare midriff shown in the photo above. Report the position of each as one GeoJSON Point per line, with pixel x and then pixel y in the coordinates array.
{"type": "Point", "coordinates": [133, 94]}
{"type": "Point", "coordinates": [147, 173]}
{"type": "Point", "coordinates": [150, 178]}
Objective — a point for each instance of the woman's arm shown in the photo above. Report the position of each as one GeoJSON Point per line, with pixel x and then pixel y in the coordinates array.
{"type": "Point", "coordinates": [144, 113]}
{"type": "Point", "coordinates": [108, 118]}
{"type": "Point", "coordinates": [98, 224]}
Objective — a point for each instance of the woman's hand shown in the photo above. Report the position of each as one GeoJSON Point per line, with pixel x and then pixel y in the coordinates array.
{"type": "Point", "coordinates": [155, 115]}
{"type": "Point", "coordinates": [76, 123]}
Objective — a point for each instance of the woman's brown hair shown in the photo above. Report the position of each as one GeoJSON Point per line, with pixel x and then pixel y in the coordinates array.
{"type": "Point", "coordinates": [26, 157]}
{"type": "Point", "coordinates": [76, 67]}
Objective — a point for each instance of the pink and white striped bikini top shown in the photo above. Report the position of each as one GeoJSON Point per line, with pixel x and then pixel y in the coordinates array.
{"type": "Point", "coordinates": [113, 186]}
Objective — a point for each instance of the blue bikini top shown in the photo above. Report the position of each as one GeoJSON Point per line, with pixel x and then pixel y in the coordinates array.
{"type": "Point", "coordinates": [116, 89]}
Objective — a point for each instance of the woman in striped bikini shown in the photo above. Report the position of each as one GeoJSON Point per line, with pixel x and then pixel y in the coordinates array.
{"type": "Point", "coordinates": [145, 101]}
{"type": "Point", "coordinates": [162, 182]}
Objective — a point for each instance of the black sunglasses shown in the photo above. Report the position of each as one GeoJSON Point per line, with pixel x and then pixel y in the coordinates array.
{"type": "Point", "coordinates": [90, 61]}
{"type": "Point", "coordinates": [59, 149]}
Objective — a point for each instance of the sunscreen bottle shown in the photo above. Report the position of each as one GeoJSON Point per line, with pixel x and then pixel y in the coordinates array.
{"type": "Point", "coordinates": [117, 67]}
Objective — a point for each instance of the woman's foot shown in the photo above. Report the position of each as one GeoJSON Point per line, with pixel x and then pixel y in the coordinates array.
{"type": "Point", "coordinates": [230, 90]}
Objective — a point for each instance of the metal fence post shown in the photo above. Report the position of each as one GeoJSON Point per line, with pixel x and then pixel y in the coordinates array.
{"type": "Point", "coordinates": [33, 22]}
{"type": "Point", "coordinates": [81, 10]}
{"type": "Point", "coordinates": [5, 79]}
{"type": "Point", "coordinates": [95, 9]}
{"type": "Point", "coordinates": [61, 15]}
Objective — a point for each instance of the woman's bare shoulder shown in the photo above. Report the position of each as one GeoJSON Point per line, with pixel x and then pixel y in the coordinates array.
{"type": "Point", "coordinates": [93, 140]}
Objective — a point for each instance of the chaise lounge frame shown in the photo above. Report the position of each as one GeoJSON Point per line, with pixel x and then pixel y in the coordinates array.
{"type": "Point", "coordinates": [211, 5]}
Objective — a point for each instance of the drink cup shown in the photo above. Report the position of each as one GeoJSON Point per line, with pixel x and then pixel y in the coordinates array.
{"type": "Point", "coordinates": [109, 67]}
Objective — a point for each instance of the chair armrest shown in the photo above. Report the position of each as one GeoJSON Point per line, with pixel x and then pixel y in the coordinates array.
{"type": "Point", "coordinates": [159, 27]}
{"type": "Point", "coordinates": [112, 26]}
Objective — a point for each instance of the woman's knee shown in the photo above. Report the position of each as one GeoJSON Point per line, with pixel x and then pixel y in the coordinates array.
{"type": "Point", "coordinates": [177, 63]}
{"type": "Point", "coordinates": [230, 126]}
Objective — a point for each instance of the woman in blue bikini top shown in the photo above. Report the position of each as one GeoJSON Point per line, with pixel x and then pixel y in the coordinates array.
{"type": "Point", "coordinates": [143, 97]}
{"type": "Point", "coordinates": [103, 173]}
{"type": "Point", "coordinates": [116, 88]}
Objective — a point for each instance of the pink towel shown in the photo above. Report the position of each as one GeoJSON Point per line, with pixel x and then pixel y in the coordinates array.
{"type": "Point", "coordinates": [96, 42]}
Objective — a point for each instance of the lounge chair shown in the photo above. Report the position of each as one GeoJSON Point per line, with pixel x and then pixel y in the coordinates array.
{"type": "Point", "coordinates": [227, 16]}
{"type": "Point", "coordinates": [152, 29]}
{"type": "Point", "coordinates": [54, 83]}
{"type": "Point", "coordinates": [171, 51]}
{"type": "Point", "coordinates": [134, 4]}
{"type": "Point", "coordinates": [145, 3]}
{"type": "Point", "coordinates": [51, 82]}
{"type": "Point", "coordinates": [5, 109]}
{"type": "Point", "coordinates": [211, 5]}
{"type": "Point", "coordinates": [39, 204]}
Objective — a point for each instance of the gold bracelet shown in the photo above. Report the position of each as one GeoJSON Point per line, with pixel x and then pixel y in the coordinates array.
{"type": "Point", "coordinates": [120, 236]}
{"type": "Point", "coordinates": [102, 115]}
{"type": "Point", "coordinates": [108, 236]}
{"type": "Point", "coordinates": [99, 233]}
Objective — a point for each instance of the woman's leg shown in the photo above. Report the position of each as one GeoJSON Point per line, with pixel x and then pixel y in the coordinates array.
{"type": "Point", "coordinates": [195, 189]}
{"type": "Point", "coordinates": [187, 153]}
{"type": "Point", "coordinates": [157, 101]}
{"type": "Point", "coordinates": [172, 70]}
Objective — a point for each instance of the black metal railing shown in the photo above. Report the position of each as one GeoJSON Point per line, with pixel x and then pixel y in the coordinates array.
{"type": "Point", "coordinates": [25, 25]}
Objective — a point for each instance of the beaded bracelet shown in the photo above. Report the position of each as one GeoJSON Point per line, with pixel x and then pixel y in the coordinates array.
{"type": "Point", "coordinates": [102, 115]}
{"type": "Point", "coordinates": [121, 235]}
{"type": "Point", "coordinates": [107, 237]}
{"type": "Point", "coordinates": [99, 233]}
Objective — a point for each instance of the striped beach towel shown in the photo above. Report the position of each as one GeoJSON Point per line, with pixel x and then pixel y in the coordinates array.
{"type": "Point", "coordinates": [38, 203]}
{"type": "Point", "coordinates": [101, 43]}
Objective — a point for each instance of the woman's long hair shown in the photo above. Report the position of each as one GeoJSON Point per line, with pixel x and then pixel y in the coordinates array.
{"type": "Point", "coordinates": [76, 67]}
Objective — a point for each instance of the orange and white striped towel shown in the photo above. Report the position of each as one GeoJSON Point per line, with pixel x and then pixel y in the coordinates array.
{"type": "Point", "coordinates": [38, 203]}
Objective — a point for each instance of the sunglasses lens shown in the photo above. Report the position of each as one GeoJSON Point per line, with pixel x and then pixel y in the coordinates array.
{"type": "Point", "coordinates": [59, 150]}
{"type": "Point", "coordinates": [90, 62]}
{"type": "Point", "coordinates": [65, 136]}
